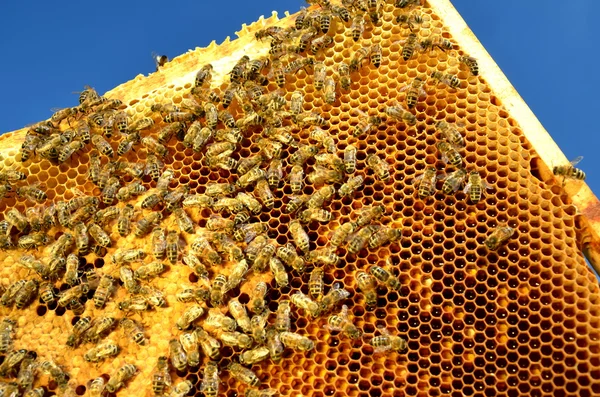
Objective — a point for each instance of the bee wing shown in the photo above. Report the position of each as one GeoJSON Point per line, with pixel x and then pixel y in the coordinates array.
{"type": "Point", "coordinates": [456, 181]}
{"type": "Point", "coordinates": [381, 349]}
{"type": "Point", "coordinates": [344, 311]}
{"type": "Point", "coordinates": [486, 185]}
{"type": "Point", "coordinates": [576, 161]}
{"type": "Point", "coordinates": [468, 187]}
{"type": "Point", "coordinates": [331, 328]}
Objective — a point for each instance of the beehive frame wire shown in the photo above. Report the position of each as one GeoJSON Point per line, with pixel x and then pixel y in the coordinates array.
{"type": "Point", "coordinates": [443, 316]}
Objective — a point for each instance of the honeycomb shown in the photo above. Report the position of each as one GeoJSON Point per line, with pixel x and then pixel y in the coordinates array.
{"type": "Point", "coordinates": [519, 320]}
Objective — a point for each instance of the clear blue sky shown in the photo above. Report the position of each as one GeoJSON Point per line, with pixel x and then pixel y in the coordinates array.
{"type": "Point", "coordinates": [50, 49]}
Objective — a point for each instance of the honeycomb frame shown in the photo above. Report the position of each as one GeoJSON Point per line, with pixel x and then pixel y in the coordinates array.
{"type": "Point", "coordinates": [518, 321]}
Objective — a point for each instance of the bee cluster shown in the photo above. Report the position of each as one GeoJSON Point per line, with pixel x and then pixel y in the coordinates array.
{"type": "Point", "coordinates": [268, 150]}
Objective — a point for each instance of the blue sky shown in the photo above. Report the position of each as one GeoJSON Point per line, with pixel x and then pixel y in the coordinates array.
{"type": "Point", "coordinates": [51, 49]}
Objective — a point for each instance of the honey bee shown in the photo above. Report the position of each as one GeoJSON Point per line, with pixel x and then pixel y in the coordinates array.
{"type": "Point", "coordinates": [126, 276]}
{"type": "Point", "coordinates": [73, 293]}
{"type": "Point", "coordinates": [134, 304]}
{"type": "Point", "coordinates": [148, 271]}
{"type": "Point", "coordinates": [153, 166]}
{"type": "Point", "coordinates": [95, 167]}
{"type": "Point", "coordinates": [96, 388]}
{"type": "Point", "coordinates": [210, 346]}
{"type": "Point", "coordinates": [101, 352]}
{"type": "Point", "coordinates": [279, 272]}
{"type": "Point", "coordinates": [409, 45]}
{"type": "Point", "coordinates": [249, 231]}
{"type": "Point", "coordinates": [33, 240]}
{"type": "Point", "coordinates": [283, 320]}
{"type": "Point", "coordinates": [32, 192]}
{"type": "Point", "coordinates": [177, 355]}
{"type": "Point", "coordinates": [103, 291]}
{"type": "Point", "coordinates": [238, 312]}
{"type": "Point", "coordinates": [68, 150]}
{"type": "Point", "coordinates": [152, 146]}
{"type": "Point", "coordinates": [351, 186]}
{"type": "Point", "coordinates": [25, 295]}
{"type": "Point", "coordinates": [197, 201]}
{"type": "Point", "coordinates": [470, 63]}
{"type": "Point", "coordinates": [315, 214]}
{"type": "Point", "coordinates": [427, 181]}
{"type": "Point", "coordinates": [141, 124]}
{"type": "Point", "coordinates": [383, 236]}
{"type": "Point", "coordinates": [366, 283]}
{"type": "Point", "coordinates": [109, 193]}
{"type": "Point", "coordinates": [499, 236]}
{"type": "Point", "coordinates": [37, 392]}
{"type": "Point", "coordinates": [275, 172]}
{"type": "Point", "coordinates": [8, 297]}
{"type": "Point", "coordinates": [144, 225]}
{"type": "Point", "coordinates": [279, 73]}
{"type": "Point", "coordinates": [449, 154]}
{"type": "Point", "coordinates": [61, 114]}
{"type": "Point", "coordinates": [243, 374]}
{"type": "Point", "coordinates": [319, 43]}
{"type": "Point", "coordinates": [365, 124]}
{"type": "Point", "coordinates": [201, 248]}
{"type": "Point", "coordinates": [55, 372]}
{"type": "Point", "coordinates": [294, 66]}
{"type": "Point", "coordinates": [210, 380]}
{"type": "Point", "coordinates": [103, 147]}
{"type": "Point", "coordinates": [309, 119]}
{"type": "Point", "coordinates": [46, 293]}
{"type": "Point", "coordinates": [103, 216]}
{"type": "Point", "coordinates": [297, 342]}
{"type": "Point", "coordinates": [315, 284]}
{"type": "Point", "coordinates": [251, 176]}
{"type": "Point", "coordinates": [7, 329]}
{"type": "Point", "coordinates": [322, 175]}
{"type": "Point", "coordinates": [454, 181]}
{"type": "Point", "coordinates": [71, 272]}
{"type": "Point", "coordinates": [167, 132]}
{"type": "Point", "coordinates": [359, 57]}
{"type": "Point", "coordinates": [218, 290]}
{"type": "Point", "coordinates": [340, 234]}
{"type": "Point", "coordinates": [11, 363]}
{"type": "Point", "coordinates": [254, 356]}
{"type": "Point", "coordinates": [358, 26]}
{"type": "Point", "coordinates": [124, 220]}
{"type": "Point", "coordinates": [385, 277]}
{"type": "Point", "coordinates": [217, 321]}
{"type": "Point", "coordinates": [409, 19]}
{"type": "Point", "coordinates": [133, 330]}
{"type": "Point", "coordinates": [397, 112]}
{"type": "Point", "coordinates": [448, 79]}
{"type": "Point", "coordinates": [415, 92]}
{"type": "Point", "coordinates": [299, 235]}
{"type": "Point", "coordinates": [335, 295]}
{"type": "Point", "coordinates": [340, 322]}
{"type": "Point", "coordinates": [257, 299]}
{"type": "Point", "coordinates": [120, 377]}
{"type": "Point", "coordinates": [264, 255]}
{"type": "Point", "coordinates": [437, 41]}
{"type": "Point", "coordinates": [387, 341]}
{"type": "Point", "coordinates": [324, 139]}
{"type": "Point", "coordinates": [129, 191]}
{"type": "Point", "coordinates": [373, 10]}
{"type": "Point", "coordinates": [161, 379]}
{"type": "Point", "coordinates": [261, 393]}
{"type": "Point", "coordinates": [248, 163]}
{"type": "Point", "coordinates": [203, 75]}
{"type": "Point", "coordinates": [125, 256]}
{"type": "Point", "coordinates": [569, 171]}
{"type": "Point", "coordinates": [288, 255]}
{"type": "Point", "coordinates": [450, 134]}
{"type": "Point", "coordinates": [360, 238]}
{"type": "Point", "coordinates": [15, 218]}
{"type": "Point", "coordinates": [305, 303]}
{"type": "Point", "coordinates": [121, 121]}
{"type": "Point", "coordinates": [237, 274]}
{"type": "Point", "coordinates": [269, 148]}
